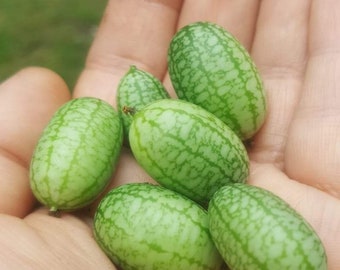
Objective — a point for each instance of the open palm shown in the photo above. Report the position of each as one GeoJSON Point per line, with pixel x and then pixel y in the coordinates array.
{"type": "Point", "coordinates": [296, 155]}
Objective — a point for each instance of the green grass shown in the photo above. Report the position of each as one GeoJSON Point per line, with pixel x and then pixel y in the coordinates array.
{"type": "Point", "coordinates": [50, 33]}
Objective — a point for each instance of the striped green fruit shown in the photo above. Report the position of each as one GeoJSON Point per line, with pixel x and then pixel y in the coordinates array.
{"type": "Point", "coordinates": [255, 230]}
{"type": "Point", "coordinates": [187, 149]}
{"type": "Point", "coordinates": [136, 89]}
{"type": "Point", "coordinates": [144, 226]}
{"type": "Point", "coordinates": [76, 154]}
{"type": "Point", "coordinates": [209, 67]}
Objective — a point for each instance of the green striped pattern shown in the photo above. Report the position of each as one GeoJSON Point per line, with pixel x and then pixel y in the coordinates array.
{"type": "Point", "coordinates": [187, 149]}
{"type": "Point", "coordinates": [209, 67]}
{"type": "Point", "coordinates": [146, 227]}
{"type": "Point", "coordinates": [136, 89]}
{"type": "Point", "coordinates": [76, 154]}
{"type": "Point", "coordinates": [255, 230]}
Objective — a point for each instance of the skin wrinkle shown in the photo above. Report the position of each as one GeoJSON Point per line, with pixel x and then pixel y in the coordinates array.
{"type": "Point", "coordinates": [12, 157]}
{"type": "Point", "coordinates": [175, 4]}
{"type": "Point", "coordinates": [326, 135]}
{"type": "Point", "coordinates": [276, 137]}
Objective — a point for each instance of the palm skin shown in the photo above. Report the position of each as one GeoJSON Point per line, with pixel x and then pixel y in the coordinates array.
{"type": "Point", "coordinates": [296, 155]}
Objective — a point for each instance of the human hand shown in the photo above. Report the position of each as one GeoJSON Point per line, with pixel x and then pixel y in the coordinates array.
{"type": "Point", "coordinates": [295, 45]}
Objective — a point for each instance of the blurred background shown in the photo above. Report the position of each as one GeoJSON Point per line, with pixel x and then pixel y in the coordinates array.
{"type": "Point", "coordinates": [50, 33]}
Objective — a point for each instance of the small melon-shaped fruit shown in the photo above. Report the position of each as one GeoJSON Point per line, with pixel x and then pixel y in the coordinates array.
{"type": "Point", "coordinates": [255, 230]}
{"type": "Point", "coordinates": [187, 149]}
{"type": "Point", "coordinates": [137, 89]}
{"type": "Point", "coordinates": [209, 67]}
{"type": "Point", "coordinates": [76, 154]}
{"type": "Point", "coordinates": [144, 226]}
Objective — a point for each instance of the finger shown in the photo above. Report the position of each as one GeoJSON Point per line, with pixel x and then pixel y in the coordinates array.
{"type": "Point", "coordinates": [47, 242]}
{"type": "Point", "coordinates": [279, 50]}
{"type": "Point", "coordinates": [132, 32]}
{"type": "Point", "coordinates": [313, 151]}
{"type": "Point", "coordinates": [27, 101]}
{"type": "Point", "coordinates": [319, 209]}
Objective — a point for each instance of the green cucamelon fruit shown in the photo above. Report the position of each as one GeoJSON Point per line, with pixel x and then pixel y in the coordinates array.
{"type": "Point", "coordinates": [187, 149]}
{"type": "Point", "coordinates": [209, 67]}
{"type": "Point", "coordinates": [76, 154]}
{"type": "Point", "coordinates": [145, 226]}
{"type": "Point", "coordinates": [137, 89]}
{"type": "Point", "coordinates": [255, 230]}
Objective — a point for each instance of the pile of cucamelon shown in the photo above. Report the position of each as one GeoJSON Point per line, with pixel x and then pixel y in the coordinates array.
{"type": "Point", "coordinates": [203, 215]}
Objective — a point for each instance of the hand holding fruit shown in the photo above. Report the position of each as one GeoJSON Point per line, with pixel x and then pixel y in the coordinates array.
{"type": "Point", "coordinates": [295, 154]}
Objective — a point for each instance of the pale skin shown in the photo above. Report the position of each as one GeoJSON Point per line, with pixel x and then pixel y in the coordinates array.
{"type": "Point", "coordinates": [296, 155]}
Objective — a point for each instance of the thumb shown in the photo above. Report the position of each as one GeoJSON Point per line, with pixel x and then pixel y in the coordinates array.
{"type": "Point", "coordinates": [27, 101]}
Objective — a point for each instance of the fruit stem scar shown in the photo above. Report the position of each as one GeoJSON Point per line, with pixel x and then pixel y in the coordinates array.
{"type": "Point", "coordinates": [54, 212]}
{"type": "Point", "coordinates": [128, 110]}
